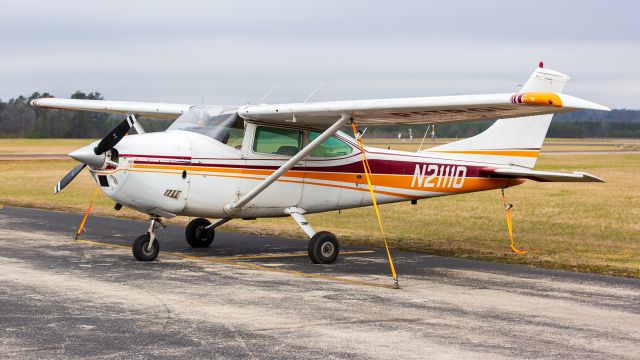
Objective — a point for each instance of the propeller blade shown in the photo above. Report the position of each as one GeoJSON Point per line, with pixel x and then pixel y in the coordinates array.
{"type": "Point", "coordinates": [68, 178]}
{"type": "Point", "coordinates": [108, 142]}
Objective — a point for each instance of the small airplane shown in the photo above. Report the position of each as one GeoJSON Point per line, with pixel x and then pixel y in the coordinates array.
{"type": "Point", "coordinates": [276, 160]}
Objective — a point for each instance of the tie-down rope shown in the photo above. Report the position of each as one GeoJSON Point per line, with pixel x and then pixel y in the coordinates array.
{"type": "Point", "coordinates": [368, 175]}
{"type": "Point", "coordinates": [508, 208]}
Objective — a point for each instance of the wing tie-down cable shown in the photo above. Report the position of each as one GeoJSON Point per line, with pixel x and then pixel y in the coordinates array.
{"type": "Point", "coordinates": [508, 209]}
{"type": "Point", "coordinates": [369, 176]}
{"type": "Point", "coordinates": [86, 213]}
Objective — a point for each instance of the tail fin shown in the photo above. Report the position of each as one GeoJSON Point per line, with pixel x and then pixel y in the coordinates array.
{"type": "Point", "coordinates": [514, 141]}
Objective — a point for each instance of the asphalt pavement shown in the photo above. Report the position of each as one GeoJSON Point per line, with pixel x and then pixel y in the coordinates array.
{"type": "Point", "coordinates": [250, 296]}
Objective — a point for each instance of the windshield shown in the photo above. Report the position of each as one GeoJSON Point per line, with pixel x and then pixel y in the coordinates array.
{"type": "Point", "coordinates": [220, 123]}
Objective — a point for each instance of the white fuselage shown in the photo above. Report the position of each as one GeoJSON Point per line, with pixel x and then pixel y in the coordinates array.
{"type": "Point", "coordinates": [185, 173]}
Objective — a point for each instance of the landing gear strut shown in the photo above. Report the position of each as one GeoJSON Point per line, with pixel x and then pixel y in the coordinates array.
{"type": "Point", "coordinates": [146, 247]}
{"type": "Point", "coordinates": [323, 246]}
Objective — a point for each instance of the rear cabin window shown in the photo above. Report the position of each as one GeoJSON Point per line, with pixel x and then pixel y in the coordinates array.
{"type": "Point", "coordinates": [331, 147]}
{"type": "Point", "coordinates": [277, 141]}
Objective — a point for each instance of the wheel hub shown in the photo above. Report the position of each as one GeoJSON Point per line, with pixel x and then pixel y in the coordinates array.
{"type": "Point", "coordinates": [327, 249]}
{"type": "Point", "coordinates": [202, 234]}
{"type": "Point", "coordinates": [145, 248]}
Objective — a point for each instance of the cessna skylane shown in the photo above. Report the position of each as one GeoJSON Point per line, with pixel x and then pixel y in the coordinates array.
{"type": "Point", "coordinates": [272, 160]}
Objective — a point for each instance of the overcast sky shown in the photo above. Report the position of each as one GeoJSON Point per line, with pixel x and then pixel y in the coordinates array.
{"type": "Point", "coordinates": [233, 52]}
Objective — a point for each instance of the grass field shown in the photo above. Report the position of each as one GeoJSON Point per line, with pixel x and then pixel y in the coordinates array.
{"type": "Point", "coordinates": [550, 145]}
{"type": "Point", "coordinates": [40, 146]}
{"type": "Point", "coordinates": [582, 227]}
{"type": "Point", "coordinates": [65, 146]}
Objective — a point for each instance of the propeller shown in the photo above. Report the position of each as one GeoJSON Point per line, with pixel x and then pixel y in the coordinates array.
{"type": "Point", "coordinates": [93, 156]}
{"type": "Point", "coordinates": [68, 178]}
{"type": "Point", "coordinates": [114, 136]}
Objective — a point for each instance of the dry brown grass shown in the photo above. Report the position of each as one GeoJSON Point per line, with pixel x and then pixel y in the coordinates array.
{"type": "Point", "coordinates": [65, 146]}
{"type": "Point", "coordinates": [41, 146]}
{"type": "Point", "coordinates": [583, 227]}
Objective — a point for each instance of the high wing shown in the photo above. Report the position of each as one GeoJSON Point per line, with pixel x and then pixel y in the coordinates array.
{"type": "Point", "coordinates": [547, 176]}
{"type": "Point", "coordinates": [541, 95]}
{"type": "Point", "coordinates": [421, 110]}
{"type": "Point", "coordinates": [156, 110]}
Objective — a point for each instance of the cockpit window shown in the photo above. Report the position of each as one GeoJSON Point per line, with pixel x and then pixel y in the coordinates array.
{"type": "Point", "coordinates": [277, 141]}
{"type": "Point", "coordinates": [217, 123]}
{"type": "Point", "coordinates": [331, 147]}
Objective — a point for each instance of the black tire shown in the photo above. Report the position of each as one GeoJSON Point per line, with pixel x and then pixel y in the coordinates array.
{"type": "Point", "coordinates": [197, 236]}
{"type": "Point", "coordinates": [323, 248]}
{"type": "Point", "coordinates": [140, 248]}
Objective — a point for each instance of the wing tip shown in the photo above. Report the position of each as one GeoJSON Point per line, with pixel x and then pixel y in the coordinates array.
{"type": "Point", "coordinates": [581, 104]}
{"type": "Point", "coordinates": [589, 178]}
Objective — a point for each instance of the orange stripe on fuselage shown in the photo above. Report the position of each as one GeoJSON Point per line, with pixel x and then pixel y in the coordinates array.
{"type": "Point", "coordinates": [519, 153]}
{"type": "Point", "coordinates": [398, 182]}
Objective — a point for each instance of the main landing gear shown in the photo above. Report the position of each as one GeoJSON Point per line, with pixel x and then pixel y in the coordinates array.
{"type": "Point", "coordinates": [200, 232]}
{"type": "Point", "coordinates": [198, 235]}
{"type": "Point", "coordinates": [146, 247]}
{"type": "Point", "coordinates": [323, 246]}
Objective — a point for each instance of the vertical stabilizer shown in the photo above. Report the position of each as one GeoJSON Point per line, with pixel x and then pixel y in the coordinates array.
{"type": "Point", "coordinates": [515, 141]}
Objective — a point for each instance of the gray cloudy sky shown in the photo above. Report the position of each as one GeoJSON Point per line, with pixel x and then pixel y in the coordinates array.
{"type": "Point", "coordinates": [232, 52]}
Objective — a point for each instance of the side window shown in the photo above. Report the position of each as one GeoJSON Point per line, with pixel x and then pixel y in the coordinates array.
{"type": "Point", "coordinates": [277, 141]}
{"type": "Point", "coordinates": [234, 135]}
{"type": "Point", "coordinates": [331, 147]}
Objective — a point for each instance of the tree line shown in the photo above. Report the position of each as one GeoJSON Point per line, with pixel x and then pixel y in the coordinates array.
{"type": "Point", "coordinates": [18, 119]}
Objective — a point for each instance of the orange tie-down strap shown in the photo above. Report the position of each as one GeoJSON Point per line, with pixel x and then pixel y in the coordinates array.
{"type": "Point", "coordinates": [368, 176]}
{"type": "Point", "coordinates": [86, 213]}
{"type": "Point", "coordinates": [508, 208]}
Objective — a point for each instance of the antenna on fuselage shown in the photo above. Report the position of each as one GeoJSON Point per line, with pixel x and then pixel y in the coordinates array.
{"type": "Point", "coordinates": [314, 92]}
{"type": "Point", "coordinates": [424, 137]}
{"type": "Point", "coordinates": [433, 135]}
{"type": "Point", "coordinates": [268, 93]}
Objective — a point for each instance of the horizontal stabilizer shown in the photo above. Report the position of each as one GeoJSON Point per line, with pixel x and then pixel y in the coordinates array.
{"type": "Point", "coordinates": [548, 176]}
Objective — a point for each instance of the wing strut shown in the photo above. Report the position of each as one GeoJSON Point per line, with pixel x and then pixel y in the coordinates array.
{"type": "Point", "coordinates": [235, 206]}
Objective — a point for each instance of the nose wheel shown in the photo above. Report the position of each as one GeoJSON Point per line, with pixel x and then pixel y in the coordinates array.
{"type": "Point", "coordinates": [146, 247]}
{"type": "Point", "coordinates": [141, 249]}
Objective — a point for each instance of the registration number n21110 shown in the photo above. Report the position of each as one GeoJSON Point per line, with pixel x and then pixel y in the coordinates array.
{"type": "Point", "coordinates": [439, 176]}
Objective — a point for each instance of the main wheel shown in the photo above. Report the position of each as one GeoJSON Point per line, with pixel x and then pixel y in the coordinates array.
{"type": "Point", "coordinates": [140, 248]}
{"type": "Point", "coordinates": [323, 248]}
{"type": "Point", "coordinates": [196, 234]}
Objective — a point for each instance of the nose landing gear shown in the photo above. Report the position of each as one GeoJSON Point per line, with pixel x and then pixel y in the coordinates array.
{"type": "Point", "coordinates": [146, 247]}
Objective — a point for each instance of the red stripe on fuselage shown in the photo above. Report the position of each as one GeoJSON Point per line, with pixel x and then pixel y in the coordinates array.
{"type": "Point", "coordinates": [378, 166]}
